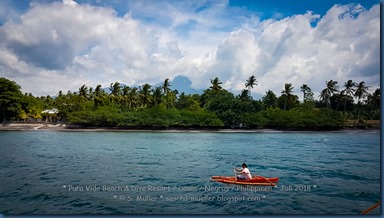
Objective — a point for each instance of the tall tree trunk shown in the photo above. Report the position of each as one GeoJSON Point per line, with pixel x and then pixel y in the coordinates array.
{"type": "Point", "coordinates": [358, 112]}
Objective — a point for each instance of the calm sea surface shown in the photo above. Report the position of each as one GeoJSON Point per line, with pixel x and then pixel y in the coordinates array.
{"type": "Point", "coordinates": [52, 172]}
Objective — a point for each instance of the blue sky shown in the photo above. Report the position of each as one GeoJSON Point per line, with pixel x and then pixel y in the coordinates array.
{"type": "Point", "coordinates": [265, 8]}
{"type": "Point", "coordinates": [50, 45]}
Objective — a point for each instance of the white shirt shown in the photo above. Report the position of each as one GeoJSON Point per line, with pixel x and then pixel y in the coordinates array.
{"type": "Point", "coordinates": [245, 172]}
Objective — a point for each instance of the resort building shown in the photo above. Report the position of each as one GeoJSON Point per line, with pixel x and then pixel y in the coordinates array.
{"type": "Point", "coordinates": [50, 115]}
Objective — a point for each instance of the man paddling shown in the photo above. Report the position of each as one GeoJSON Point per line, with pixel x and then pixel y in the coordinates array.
{"type": "Point", "coordinates": [243, 173]}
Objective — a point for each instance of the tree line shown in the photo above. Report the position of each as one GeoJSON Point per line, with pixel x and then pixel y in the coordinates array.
{"type": "Point", "coordinates": [161, 106]}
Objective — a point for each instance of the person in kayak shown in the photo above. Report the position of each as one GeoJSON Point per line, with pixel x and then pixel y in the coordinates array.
{"type": "Point", "coordinates": [243, 173]}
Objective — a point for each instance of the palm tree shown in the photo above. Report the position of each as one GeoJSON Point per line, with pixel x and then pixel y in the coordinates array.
{"type": "Point", "coordinates": [270, 99]}
{"type": "Point", "coordinates": [349, 87]}
{"type": "Point", "coordinates": [348, 92]}
{"type": "Point", "coordinates": [98, 96]}
{"type": "Point", "coordinates": [250, 83]}
{"type": "Point", "coordinates": [287, 92]}
{"type": "Point", "coordinates": [166, 91]}
{"type": "Point", "coordinates": [83, 94]}
{"type": "Point", "coordinates": [373, 102]}
{"type": "Point", "coordinates": [172, 97]}
{"type": "Point", "coordinates": [375, 98]}
{"type": "Point", "coordinates": [330, 89]}
{"type": "Point", "coordinates": [360, 93]}
{"type": "Point", "coordinates": [166, 86]}
{"type": "Point", "coordinates": [115, 92]}
{"type": "Point", "coordinates": [216, 84]}
{"type": "Point", "coordinates": [125, 95]}
{"type": "Point", "coordinates": [157, 95]}
{"type": "Point", "coordinates": [244, 95]}
{"type": "Point", "coordinates": [133, 98]}
{"type": "Point", "coordinates": [90, 93]}
{"type": "Point", "coordinates": [145, 95]}
{"type": "Point", "coordinates": [307, 93]}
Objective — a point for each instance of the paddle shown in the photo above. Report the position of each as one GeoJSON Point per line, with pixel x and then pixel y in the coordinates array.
{"type": "Point", "coordinates": [268, 180]}
{"type": "Point", "coordinates": [371, 208]}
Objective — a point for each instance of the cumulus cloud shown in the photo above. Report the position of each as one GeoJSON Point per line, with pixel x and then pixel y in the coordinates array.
{"type": "Point", "coordinates": [70, 3]}
{"type": "Point", "coordinates": [343, 45]}
{"type": "Point", "coordinates": [62, 45]}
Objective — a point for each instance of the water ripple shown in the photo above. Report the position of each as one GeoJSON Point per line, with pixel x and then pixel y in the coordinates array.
{"type": "Point", "coordinates": [36, 166]}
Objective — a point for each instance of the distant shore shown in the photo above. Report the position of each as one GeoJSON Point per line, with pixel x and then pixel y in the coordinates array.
{"type": "Point", "coordinates": [65, 127]}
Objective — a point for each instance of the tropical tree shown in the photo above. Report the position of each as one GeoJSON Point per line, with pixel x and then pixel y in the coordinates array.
{"type": "Point", "coordinates": [49, 102]}
{"type": "Point", "coordinates": [372, 106]}
{"type": "Point", "coordinates": [244, 95]}
{"type": "Point", "coordinates": [166, 91]}
{"type": "Point", "coordinates": [216, 84]}
{"type": "Point", "coordinates": [32, 106]}
{"type": "Point", "coordinates": [145, 95]}
{"type": "Point", "coordinates": [360, 93]}
{"type": "Point", "coordinates": [188, 102]}
{"type": "Point", "coordinates": [157, 95]}
{"type": "Point", "coordinates": [133, 99]}
{"type": "Point", "coordinates": [348, 92]}
{"type": "Point", "coordinates": [250, 83]}
{"type": "Point", "coordinates": [307, 93]}
{"type": "Point", "coordinates": [98, 96]}
{"type": "Point", "coordinates": [269, 99]}
{"type": "Point", "coordinates": [172, 96]}
{"type": "Point", "coordinates": [10, 98]}
{"type": "Point", "coordinates": [328, 91]}
{"type": "Point", "coordinates": [125, 95]}
{"type": "Point", "coordinates": [166, 86]}
{"type": "Point", "coordinates": [90, 94]}
{"type": "Point", "coordinates": [221, 103]}
{"type": "Point", "coordinates": [83, 94]}
{"type": "Point", "coordinates": [287, 93]}
{"type": "Point", "coordinates": [374, 99]}
{"type": "Point", "coordinates": [349, 88]}
{"type": "Point", "coordinates": [115, 89]}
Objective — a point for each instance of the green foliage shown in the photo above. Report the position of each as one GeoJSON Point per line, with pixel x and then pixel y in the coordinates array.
{"type": "Point", "coordinates": [102, 116]}
{"type": "Point", "coordinates": [221, 103]}
{"type": "Point", "coordinates": [188, 102]}
{"type": "Point", "coordinates": [162, 107]}
{"type": "Point", "coordinates": [158, 117]}
{"type": "Point", "coordinates": [200, 118]}
{"type": "Point", "coordinates": [305, 119]}
{"type": "Point", "coordinates": [288, 102]}
{"type": "Point", "coordinates": [269, 99]}
{"type": "Point", "coordinates": [32, 106]}
{"type": "Point", "coordinates": [10, 99]}
{"type": "Point", "coordinates": [254, 120]}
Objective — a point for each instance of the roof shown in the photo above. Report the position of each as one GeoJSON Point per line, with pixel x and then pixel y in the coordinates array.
{"type": "Point", "coordinates": [50, 111]}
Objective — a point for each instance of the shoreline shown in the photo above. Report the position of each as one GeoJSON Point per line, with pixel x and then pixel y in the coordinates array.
{"type": "Point", "coordinates": [74, 128]}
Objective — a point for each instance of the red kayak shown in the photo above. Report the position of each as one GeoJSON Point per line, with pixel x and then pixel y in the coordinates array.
{"type": "Point", "coordinates": [258, 180]}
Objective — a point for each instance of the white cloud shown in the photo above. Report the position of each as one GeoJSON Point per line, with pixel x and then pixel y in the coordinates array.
{"type": "Point", "coordinates": [61, 46]}
{"type": "Point", "coordinates": [70, 3]}
{"type": "Point", "coordinates": [344, 45]}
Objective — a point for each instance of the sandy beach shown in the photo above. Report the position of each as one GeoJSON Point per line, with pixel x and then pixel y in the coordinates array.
{"type": "Point", "coordinates": [65, 127]}
{"type": "Point", "coordinates": [31, 126]}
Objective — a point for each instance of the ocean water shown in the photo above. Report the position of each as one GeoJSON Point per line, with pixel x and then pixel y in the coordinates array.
{"type": "Point", "coordinates": [53, 172]}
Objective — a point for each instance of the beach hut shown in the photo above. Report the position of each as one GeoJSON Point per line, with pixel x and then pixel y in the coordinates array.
{"type": "Point", "coordinates": [50, 115]}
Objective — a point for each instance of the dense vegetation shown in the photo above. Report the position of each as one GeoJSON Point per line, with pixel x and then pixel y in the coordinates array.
{"type": "Point", "coordinates": [158, 107]}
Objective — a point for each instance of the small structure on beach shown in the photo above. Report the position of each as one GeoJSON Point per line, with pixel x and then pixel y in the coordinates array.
{"type": "Point", "coordinates": [50, 115]}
